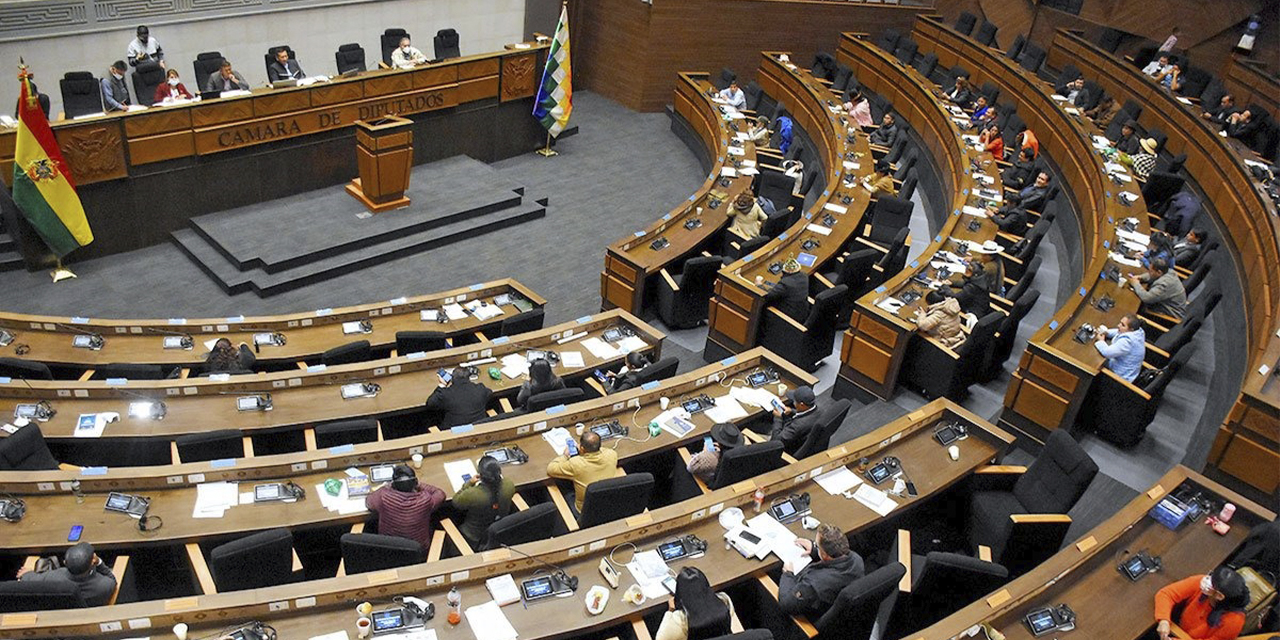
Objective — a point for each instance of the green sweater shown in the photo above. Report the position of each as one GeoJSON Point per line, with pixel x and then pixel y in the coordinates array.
{"type": "Point", "coordinates": [474, 499]}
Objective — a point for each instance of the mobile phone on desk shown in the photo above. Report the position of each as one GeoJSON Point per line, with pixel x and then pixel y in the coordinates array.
{"type": "Point", "coordinates": [74, 535]}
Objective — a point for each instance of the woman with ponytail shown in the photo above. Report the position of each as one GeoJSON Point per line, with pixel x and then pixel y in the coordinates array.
{"type": "Point", "coordinates": [1212, 605]}
{"type": "Point", "coordinates": [485, 498]}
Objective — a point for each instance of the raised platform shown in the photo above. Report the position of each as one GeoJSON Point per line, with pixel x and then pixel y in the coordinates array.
{"type": "Point", "coordinates": [295, 241]}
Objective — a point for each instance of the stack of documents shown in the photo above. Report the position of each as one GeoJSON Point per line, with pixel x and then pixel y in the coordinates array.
{"type": "Point", "coordinates": [838, 480]}
{"type": "Point", "coordinates": [488, 622]}
{"type": "Point", "coordinates": [342, 504]}
{"type": "Point", "coordinates": [631, 343]}
{"type": "Point", "coordinates": [1134, 237]}
{"type": "Point", "coordinates": [875, 499]}
{"type": "Point", "coordinates": [459, 471]}
{"type": "Point", "coordinates": [891, 304]}
{"type": "Point", "coordinates": [779, 540]}
{"type": "Point", "coordinates": [214, 498]}
{"type": "Point", "coordinates": [600, 349]}
{"type": "Point", "coordinates": [1117, 257]}
{"type": "Point", "coordinates": [649, 570]}
{"type": "Point", "coordinates": [503, 589]}
{"type": "Point", "coordinates": [483, 311]}
{"type": "Point", "coordinates": [515, 365]}
{"type": "Point", "coordinates": [559, 439]}
{"type": "Point", "coordinates": [572, 359]}
{"type": "Point", "coordinates": [757, 397]}
{"type": "Point", "coordinates": [726, 410]}
{"type": "Point", "coordinates": [455, 312]}
{"type": "Point", "coordinates": [977, 212]}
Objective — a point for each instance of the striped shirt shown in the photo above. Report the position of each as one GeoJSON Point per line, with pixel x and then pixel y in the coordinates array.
{"type": "Point", "coordinates": [406, 514]}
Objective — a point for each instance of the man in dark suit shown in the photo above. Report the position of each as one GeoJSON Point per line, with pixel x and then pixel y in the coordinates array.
{"type": "Point", "coordinates": [1186, 250]}
{"type": "Point", "coordinates": [82, 568]}
{"type": "Point", "coordinates": [1035, 196]}
{"type": "Point", "coordinates": [887, 134]}
{"type": "Point", "coordinates": [226, 79]}
{"type": "Point", "coordinates": [461, 400]}
{"type": "Point", "coordinates": [812, 590]}
{"type": "Point", "coordinates": [791, 294]}
{"type": "Point", "coordinates": [284, 68]}
{"type": "Point", "coordinates": [793, 421]}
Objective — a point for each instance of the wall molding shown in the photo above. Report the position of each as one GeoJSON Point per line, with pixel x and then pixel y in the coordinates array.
{"type": "Point", "coordinates": [32, 20]}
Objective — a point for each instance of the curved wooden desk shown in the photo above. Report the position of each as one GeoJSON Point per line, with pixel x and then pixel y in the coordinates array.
{"type": "Point", "coordinates": [172, 488]}
{"type": "Point", "coordinates": [1054, 374]}
{"type": "Point", "coordinates": [737, 307]}
{"type": "Point", "coordinates": [1083, 575]}
{"type": "Point", "coordinates": [321, 606]}
{"type": "Point", "coordinates": [632, 263]}
{"type": "Point", "coordinates": [876, 341]}
{"type": "Point", "coordinates": [307, 334]}
{"type": "Point", "coordinates": [311, 396]}
{"type": "Point", "coordinates": [1247, 444]}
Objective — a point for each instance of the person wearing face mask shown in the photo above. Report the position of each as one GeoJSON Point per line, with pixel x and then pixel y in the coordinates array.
{"type": "Point", "coordinates": [1212, 605]}
{"type": "Point", "coordinates": [115, 94]}
{"type": "Point", "coordinates": [406, 56]}
{"type": "Point", "coordinates": [143, 48]}
{"type": "Point", "coordinates": [172, 89]}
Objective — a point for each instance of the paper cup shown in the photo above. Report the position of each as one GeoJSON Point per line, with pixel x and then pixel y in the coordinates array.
{"type": "Point", "coordinates": [417, 461]}
{"type": "Point", "coordinates": [364, 609]}
{"type": "Point", "coordinates": [180, 631]}
{"type": "Point", "coordinates": [663, 402]}
{"type": "Point", "coordinates": [364, 627]}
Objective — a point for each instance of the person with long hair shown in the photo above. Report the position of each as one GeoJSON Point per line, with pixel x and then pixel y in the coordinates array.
{"type": "Point", "coordinates": [1212, 605]}
{"type": "Point", "coordinates": [696, 611]}
{"type": "Point", "coordinates": [224, 358]}
{"type": "Point", "coordinates": [541, 380]}
{"type": "Point", "coordinates": [485, 499]}
{"type": "Point", "coordinates": [629, 376]}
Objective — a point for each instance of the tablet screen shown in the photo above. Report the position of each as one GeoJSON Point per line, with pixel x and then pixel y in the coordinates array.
{"type": "Point", "coordinates": [387, 620]}
{"type": "Point", "coordinates": [878, 473]}
{"type": "Point", "coordinates": [536, 588]}
{"type": "Point", "coordinates": [946, 435]}
{"type": "Point", "coordinates": [247, 403]}
{"type": "Point", "coordinates": [266, 492]}
{"type": "Point", "coordinates": [118, 502]}
{"type": "Point", "coordinates": [381, 473]}
{"type": "Point", "coordinates": [1040, 621]}
{"type": "Point", "coordinates": [82, 341]}
{"type": "Point", "coordinates": [498, 454]}
{"type": "Point", "coordinates": [671, 550]}
{"type": "Point", "coordinates": [784, 509]}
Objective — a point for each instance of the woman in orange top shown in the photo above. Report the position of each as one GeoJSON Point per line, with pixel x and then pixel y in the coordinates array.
{"type": "Point", "coordinates": [1029, 141]}
{"type": "Point", "coordinates": [992, 142]}
{"type": "Point", "coordinates": [1212, 605]}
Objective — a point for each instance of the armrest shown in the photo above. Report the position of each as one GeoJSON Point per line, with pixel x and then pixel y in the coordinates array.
{"type": "Point", "coordinates": [1040, 518]}
{"type": "Point", "coordinates": [379, 427]}
{"type": "Point", "coordinates": [68, 467]}
{"type": "Point", "coordinates": [686, 457]}
{"type": "Point", "coordinates": [1156, 352]}
{"type": "Point", "coordinates": [185, 373]}
{"type": "Point", "coordinates": [201, 569]}
{"type": "Point", "coordinates": [1008, 236]}
{"type": "Point", "coordinates": [562, 506]}
{"type": "Point", "coordinates": [1002, 301]}
{"type": "Point", "coordinates": [755, 438]}
{"type": "Point", "coordinates": [174, 456]}
{"type": "Point", "coordinates": [671, 282]}
{"type": "Point", "coordinates": [640, 630]}
{"type": "Point", "coordinates": [309, 435]}
{"type": "Point", "coordinates": [518, 501]}
{"type": "Point", "coordinates": [878, 148]}
{"type": "Point", "coordinates": [788, 319]}
{"type": "Point", "coordinates": [788, 458]}
{"type": "Point", "coordinates": [455, 536]}
{"type": "Point", "coordinates": [297, 562]}
{"type": "Point", "coordinates": [1125, 383]}
{"type": "Point", "coordinates": [1182, 272]}
{"type": "Point", "coordinates": [437, 546]}
{"type": "Point", "coordinates": [596, 386]}
{"type": "Point", "coordinates": [825, 282]}
{"type": "Point", "coordinates": [505, 405]}
{"type": "Point", "coordinates": [1165, 322]}
{"type": "Point", "coordinates": [488, 412]}
{"type": "Point", "coordinates": [984, 553]}
{"type": "Point", "coordinates": [995, 477]}
{"type": "Point", "coordinates": [480, 336]}
{"type": "Point", "coordinates": [301, 365]}
{"type": "Point", "coordinates": [768, 152]}
{"type": "Point", "coordinates": [824, 81]}
{"type": "Point", "coordinates": [88, 373]}
{"type": "Point", "coordinates": [872, 244]}
{"type": "Point", "coordinates": [903, 551]}
{"type": "Point", "coordinates": [247, 443]}
{"type": "Point", "coordinates": [118, 568]}
{"type": "Point", "coordinates": [383, 65]}
{"type": "Point", "coordinates": [771, 587]}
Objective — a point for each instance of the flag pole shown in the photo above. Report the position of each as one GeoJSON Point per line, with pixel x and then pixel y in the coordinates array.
{"type": "Point", "coordinates": [547, 151]}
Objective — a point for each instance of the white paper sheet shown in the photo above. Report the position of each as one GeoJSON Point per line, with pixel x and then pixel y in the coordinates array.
{"type": "Point", "coordinates": [336, 635]}
{"type": "Point", "coordinates": [819, 229]}
{"type": "Point", "coordinates": [838, 480]}
{"type": "Point", "coordinates": [503, 589]}
{"type": "Point", "coordinates": [558, 438]}
{"type": "Point", "coordinates": [454, 312]}
{"type": "Point", "coordinates": [601, 349]}
{"type": "Point", "coordinates": [488, 622]}
{"type": "Point", "coordinates": [456, 469]}
{"type": "Point", "coordinates": [572, 359]}
{"type": "Point", "coordinates": [1124, 261]}
{"type": "Point", "coordinates": [977, 212]}
{"type": "Point", "coordinates": [726, 410]}
{"type": "Point", "coordinates": [631, 343]}
{"type": "Point", "coordinates": [758, 397]}
{"type": "Point", "coordinates": [488, 311]}
{"type": "Point", "coordinates": [214, 498]}
{"type": "Point", "coordinates": [875, 499]}
{"type": "Point", "coordinates": [649, 569]}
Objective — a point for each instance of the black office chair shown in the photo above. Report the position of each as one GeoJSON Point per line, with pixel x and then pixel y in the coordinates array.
{"type": "Point", "coordinates": [841, 80]}
{"type": "Point", "coordinates": [940, 372]}
{"type": "Point", "coordinates": [927, 64]}
{"type": "Point", "coordinates": [1032, 57]}
{"type": "Point", "coordinates": [540, 401]}
{"type": "Point", "coordinates": [358, 351]}
{"type": "Point", "coordinates": [333, 434]}
{"type": "Point", "coordinates": [1160, 188]}
{"type": "Point", "coordinates": [804, 345]}
{"type": "Point", "coordinates": [1006, 333]}
{"type": "Point", "coordinates": [146, 77]}
{"type": "Point", "coordinates": [908, 187]}
{"type": "Point", "coordinates": [26, 450]}
{"type": "Point", "coordinates": [389, 40]}
{"type": "Point", "coordinates": [447, 44]}
{"type": "Point", "coordinates": [905, 165]}
{"type": "Point", "coordinates": [81, 94]}
{"type": "Point", "coordinates": [754, 94]}
{"type": "Point", "coordinates": [1023, 250]}
{"type": "Point", "coordinates": [824, 66]}
{"type": "Point", "coordinates": [862, 604]}
{"type": "Point", "coordinates": [131, 371]}
{"type": "Point", "coordinates": [349, 57]}
{"type": "Point", "coordinates": [1119, 411]}
{"type": "Point", "coordinates": [1051, 485]}
{"type": "Point", "coordinates": [1198, 276]}
{"type": "Point", "coordinates": [722, 81]}
{"type": "Point", "coordinates": [615, 498]}
{"type": "Point", "coordinates": [270, 56]}
{"type": "Point", "coordinates": [263, 559]}
{"type": "Point", "coordinates": [16, 596]}
{"type": "Point", "coordinates": [897, 150]}
{"type": "Point", "coordinates": [523, 323]}
{"type": "Point", "coordinates": [777, 187]}
{"type": "Point", "coordinates": [986, 34]}
{"type": "Point", "coordinates": [889, 215]}
{"type": "Point", "coordinates": [854, 274]}
{"type": "Point", "coordinates": [660, 370]}
{"type": "Point", "coordinates": [1015, 49]}
{"type": "Point", "coordinates": [819, 439]}
{"type": "Point", "coordinates": [749, 634]}
{"type": "Point", "coordinates": [1170, 163]}
{"type": "Point", "coordinates": [535, 523]}
{"type": "Point", "coordinates": [1195, 81]}
{"type": "Point", "coordinates": [888, 40]}
{"type": "Point", "coordinates": [748, 461]}
{"type": "Point", "coordinates": [365, 552]}
{"type": "Point", "coordinates": [210, 445]}
{"type": "Point", "coordinates": [906, 51]}
{"type": "Point", "coordinates": [941, 584]}
{"type": "Point", "coordinates": [24, 369]}
{"type": "Point", "coordinates": [966, 22]}
{"type": "Point", "coordinates": [206, 64]}
{"type": "Point", "coordinates": [415, 341]}
{"type": "Point", "coordinates": [682, 303]}
{"type": "Point", "coordinates": [1109, 40]}
{"type": "Point", "coordinates": [1172, 342]}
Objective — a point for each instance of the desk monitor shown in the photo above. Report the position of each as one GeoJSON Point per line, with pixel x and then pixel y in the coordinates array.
{"type": "Point", "coordinates": [119, 502]}
{"type": "Point", "coordinates": [538, 588]}
{"type": "Point", "coordinates": [211, 95]}
{"type": "Point", "coordinates": [389, 620]}
{"type": "Point", "coordinates": [381, 473]}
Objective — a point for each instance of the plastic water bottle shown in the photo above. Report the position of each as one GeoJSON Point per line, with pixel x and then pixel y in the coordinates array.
{"type": "Point", "coordinates": [455, 606]}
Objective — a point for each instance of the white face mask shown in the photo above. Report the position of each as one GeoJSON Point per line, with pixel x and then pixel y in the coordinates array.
{"type": "Point", "coordinates": [406, 48]}
{"type": "Point", "coordinates": [1206, 585]}
{"type": "Point", "coordinates": [173, 82]}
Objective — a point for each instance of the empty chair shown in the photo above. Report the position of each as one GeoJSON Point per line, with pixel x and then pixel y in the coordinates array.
{"type": "Point", "coordinates": [726, 77]}
{"type": "Point", "coordinates": [1015, 49]}
{"type": "Point", "coordinates": [1051, 485]}
{"type": "Point", "coordinates": [81, 94]}
{"type": "Point", "coordinates": [841, 80]}
{"type": "Point", "coordinates": [523, 323]}
{"type": "Point", "coordinates": [615, 498]}
{"type": "Point", "coordinates": [1198, 276]}
{"type": "Point", "coordinates": [358, 351]}
{"type": "Point", "coordinates": [1022, 284]}
{"type": "Point", "coordinates": [1160, 188]}
{"type": "Point", "coordinates": [1024, 249]}
{"type": "Point", "coordinates": [908, 187]}
{"type": "Point", "coordinates": [1109, 40]}
{"type": "Point", "coordinates": [862, 604]}
{"type": "Point", "coordinates": [660, 370]}
{"type": "Point", "coordinates": [906, 52]}
{"type": "Point", "coordinates": [804, 345]}
{"type": "Point", "coordinates": [26, 450]}
{"type": "Point", "coordinates": [819, 439]}
{"type": "Point", "coordinates": [415, 341]}
{"type": "Point", "coordinates": [206, 64]}
{"type": "Point", "coordinates": [349, 57]}
{"type": "Point", "coordinates": [986, 34]}
{"type": "Point", "coordinates": [683, 304]}
{"type": "Point", "coordinates": [1194, 81]}
{"type": "Point", "coordinates": [1170, 163]}
{"type": "Point", "coordinates": [222, 444]}
{"type": "Point", "coordinates": [263, 559]}
{"type": "Point", "coordinates": [1002, 343]}
{"type": "Point", "coordinates": [927, 64]}
{"type": "Point", "coordinates": [1095, 92]}
{"type": "Point", "coordinates": [897, 150]}
{"type": "Point", "coordinates": [1119, 411]}
{"type": "Point", "coordinates": [888, 40]}
{"type": "Point", "coordinates": [365, 552]}
{"type": "Point", "coordinates": [18, 596]}
{"type": "Point", "coordinates": [146, 77]}
{"type": "Point", "coordinates": [895, 260]}
{"type": "Point", "coordinates": [390, 39]}
{"type": "Point", "coordinates": [1172, 342]}
{"type": "Point", "coordinates": [749, 461]}
{"type": "Point", "coordinates": [535, 523]}
{"type": "Point", "coordinates": [753, 93]}
{"type": "Point", "coordinates": [540, 401]}
{"type": "Point", "coordinates": [905, 165]}
{"type": "Point", "coordinates": [342, 432]}
{"type": "Point", "coordinates": [24, 369]}
{"type": "Point", "coordinates": [735, 251]}
{"type": "Point", "coordinates": [940, 372]}
{"type": "Point", "coordinates": [131, 371]}
{"type": "Point", "coordinates": [941, 584]}
{"type": "Point", "coordinates": [889, 215]}
{"type": "Point", "coordinates": [966, 22]}
{"type": "Point", "coordinates": [824, 66]}
{"type": "Point", "coordinates": [854, 274]}
{"type": "Point", "coordinates": [1031, 58]}
{"type": "Point", "coordinates": [447, 44]}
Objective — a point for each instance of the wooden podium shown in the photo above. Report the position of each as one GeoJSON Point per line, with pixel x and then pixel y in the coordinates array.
{"type": "Point", "coordinates": [384, 154]}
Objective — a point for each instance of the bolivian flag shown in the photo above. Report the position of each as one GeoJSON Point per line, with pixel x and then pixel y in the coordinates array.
{"type": "Point", "coordinates": [42, 186]}
{"type": "Point", "coordinates": [554, 102]}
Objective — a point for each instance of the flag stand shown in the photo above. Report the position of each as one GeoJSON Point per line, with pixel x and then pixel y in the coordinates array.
{"type": "Point", "coordinates": [61, 273]}
{"type": "Point", "coordinates": [547, 151]}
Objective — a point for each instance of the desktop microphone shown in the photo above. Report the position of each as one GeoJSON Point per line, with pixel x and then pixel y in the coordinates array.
{"type": "Point", "coordinates": [96, 341]}
{"type": "Point", "coordinates": [187, 341]}
{"type": "Point", "coordinates": [43, 410]}
{"type": "Point", "coordinates": [158, 408]}
{"type": "Point", "coordinates": [560, 574]}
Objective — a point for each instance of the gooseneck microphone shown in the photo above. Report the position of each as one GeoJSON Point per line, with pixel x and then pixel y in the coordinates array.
{"type": "Point", "coordinates": [559, 572]}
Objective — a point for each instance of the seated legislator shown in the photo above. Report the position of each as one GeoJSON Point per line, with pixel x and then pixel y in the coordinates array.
{"type": "Point", "coordinates": [224, 358]}
{"type": "Point", "coordinates": [1028, 140]}
{"type": "Point", "coordinates": [1213, 605]}
{"type": "Point", "coordinates": [759, 131]}
{"type": "Point", "coordinates": [1163, 292]}
{"type": "Point", "coordinates": [459, 399]}
{"type": "Point", "coordinates": [982, 113]}
{"type": "Point", "coordinates": [591, 464]}
{"type": "Point", "coordinates": [972, 289]}
{"type": "Point", "coordinates": [747, 216]}
{"type": "Point", "coordinates": [1011, 218]}
{"type": "Point", "coordinates": [1124, 347]}
{"type": "Point", "coordinates": [703, 464]}
{"type": "Point", "coordinates": [887, 134]}
{"type": "Point", "coordinates": [541, 380]}
{"type": "Point", "coordinates": [172, 89]}
{"type": "Point", "coordinates": [1158, 65]}
{"type": "Point", "coordinates": [1160, 246]}
{"type": "Point", "coordinates": [961, 94]}
{"type": "Point", "coordinates": [115, 95]}
{"type": "Point", "coordinates": [991, 141]}
{"type": "Point", "coordinates": [82, 568]}
{"type": "Point", "coordinates": [797, 416]}
{"type": "Point", "coordinates": [1240, 125]}
{"type": "Point", "coordinates": [406, 56]}
{"type": "Point", "coordinates": [144, 48]}
{"type": "Point", "coordinates": [941, 319]}
{"type": "Point", "coordinates": [1021, 172]}
{"type": "Point", "coordinates": [1128, 141]}
{"type": "Point", "coordinates": [226, 79]}
{"type": "Point", "coordinates": [812, 590]}
{"type": "Point", "coordinates": [284, 69]}
{"type": "Point", "coordinates": [732, 95]}
{"type": "Point", "coordinates": [1144, 162]}
{"type": "Point", "coordinates": [1186, 250]}
{"type": "Point", "coordinates": [791, 294]}
{"type": "Point", "coordinates": [696, 611]}
{"type": "Point", "coordinates": [1219, 113]}
{"type": "Point", "coordinates": [405, 506]}
{"type": "Point", "coordinates": [485, 499]}
{"type": "Point", "coordinates": [859, 109]}
{"type": "Point", "coordinates": [1172, 77]}
{"type": "Point", "coordinates": [1104, 112]}
{"type": "Point", "coordinates": [882, 181]}
{"type": "Point", "coordinates": [1035, 196]}
{"type": "Point", "coordinates": [628, 377]}
{"type": "Point", "coordinates": [1181, 214]}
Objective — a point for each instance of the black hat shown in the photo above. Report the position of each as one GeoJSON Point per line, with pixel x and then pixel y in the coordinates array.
{"type": "Point", "coordinates": [803, 395]}
{"type": "Point", "coordinates": [726, 435]}
{"type": "Point", "coordinates": [143, 30]}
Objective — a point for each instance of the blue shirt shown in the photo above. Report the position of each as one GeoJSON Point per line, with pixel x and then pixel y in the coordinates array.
{"type": "Point", "coordinates": [1125, 352]}
{"type": "Point", "coordinates": [784, 134]}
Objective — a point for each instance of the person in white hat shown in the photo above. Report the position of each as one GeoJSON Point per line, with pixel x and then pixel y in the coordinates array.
{"type": "Point", "coordinates": [791, 294]}
{"type": "Point", "coordinates": [1145, 160]}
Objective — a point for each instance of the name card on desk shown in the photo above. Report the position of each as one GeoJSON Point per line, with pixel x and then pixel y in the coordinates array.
{"type": "Point", "coordinates": [998, 598]}
{"type": "Point", "coordinates": [1087, 544]}
{"type": "Point", "coordinates": [179, 604]}
{"type": "Point", "coordinates": [17, 620]}
{"type": "Point", "coordinates": [1156, 492]}
{"type": "Point", "coordinates": [383, 577]}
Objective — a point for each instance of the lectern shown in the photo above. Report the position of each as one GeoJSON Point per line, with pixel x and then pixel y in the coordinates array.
{"type": "Point", "coordinates": [384, 154]}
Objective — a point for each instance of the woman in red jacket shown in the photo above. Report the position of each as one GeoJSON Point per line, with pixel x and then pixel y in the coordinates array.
{"type": "Point", "coordinates": [1212, 605]}
{"type": "Point", "coordinates": [172, 89]}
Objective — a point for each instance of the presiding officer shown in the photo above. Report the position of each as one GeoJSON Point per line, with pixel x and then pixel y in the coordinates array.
{"type": "Point", "coordinates": [284, 68]}
{"type": "Point", "coordinates": [226, 79]}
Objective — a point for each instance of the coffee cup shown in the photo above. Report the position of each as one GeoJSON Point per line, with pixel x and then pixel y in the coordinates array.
{"type": "Point", "coordinates": [417, 461]}
{"type": "Point", "coordinates": [364, 609]}
{"type": "Point", "coordinates": [664, 402]}
{"type": "Point", "coordinates": [180, 631]}
{"type": "Point", "coordinates": [364, 626]}
{"type": "Point", "coordinates": [954, 451]}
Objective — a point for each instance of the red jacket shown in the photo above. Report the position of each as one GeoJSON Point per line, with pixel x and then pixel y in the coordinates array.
{"type": "Point", "coordinates": [164, 90]}
{"type": "Point", "coordinates": [1195, 611]}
